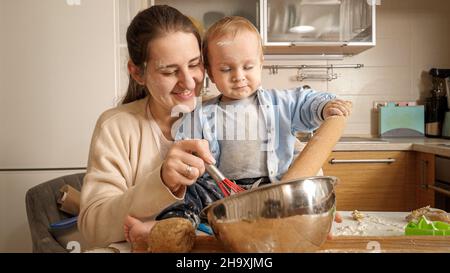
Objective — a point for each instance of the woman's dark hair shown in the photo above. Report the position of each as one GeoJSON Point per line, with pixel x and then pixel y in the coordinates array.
{"type": "Point", "coordinates": [149, 24]}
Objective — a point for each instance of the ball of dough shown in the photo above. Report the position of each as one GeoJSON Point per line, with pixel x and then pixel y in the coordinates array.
{"type": "Point", "coordinates": [172, 235]}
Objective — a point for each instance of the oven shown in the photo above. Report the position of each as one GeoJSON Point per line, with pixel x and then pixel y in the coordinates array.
{"type": "Point", "coordinates": [442, 183]}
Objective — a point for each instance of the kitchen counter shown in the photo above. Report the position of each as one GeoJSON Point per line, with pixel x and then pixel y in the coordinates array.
{"type": "Point", "coordinates": [427, 145]}
{"type": "Point", "coordinates": [376, 232]}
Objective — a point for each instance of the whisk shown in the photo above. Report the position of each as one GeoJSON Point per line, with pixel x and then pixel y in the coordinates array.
{"type": "Point", "coordinates": [225, 185]}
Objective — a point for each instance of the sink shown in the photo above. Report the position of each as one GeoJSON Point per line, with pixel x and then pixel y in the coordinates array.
{"type": "Point", "coordinates": [361, 140]}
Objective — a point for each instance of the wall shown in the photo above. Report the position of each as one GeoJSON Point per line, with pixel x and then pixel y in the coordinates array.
{"type": "Point", "coordinates": [412, 37]}
{"type": "Point", "coordinates": [56, 77]}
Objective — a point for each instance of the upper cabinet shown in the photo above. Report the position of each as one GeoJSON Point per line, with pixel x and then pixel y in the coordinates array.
{"type": "Point", "coordinates": [318, 26]}
{"type": "Point", "coordinates": [294, 26]}
{"type": "Point", "coordinates": [206, 12]}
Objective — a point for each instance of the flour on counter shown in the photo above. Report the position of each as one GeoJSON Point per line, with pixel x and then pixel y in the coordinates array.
{"type": "Point", "coordinates": [394, 226]}
{"type": "Point", "coordinates": [351, 229]}
{"type": "Point", "coordinates": [372, 224]}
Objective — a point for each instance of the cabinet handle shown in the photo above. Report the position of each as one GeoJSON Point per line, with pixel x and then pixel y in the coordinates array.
{"type": "Point", "coordinates": [438, 189]}
{"type": "Point", "coordinates": [424, 183]}
{"type": "Point", "coordinates": [341, 44]}
{"type": "Point", "coordinates": [365, 161]}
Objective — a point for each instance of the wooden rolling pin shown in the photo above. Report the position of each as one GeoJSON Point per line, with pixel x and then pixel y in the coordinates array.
{"type": "Point", "coordinates": [317, 150]}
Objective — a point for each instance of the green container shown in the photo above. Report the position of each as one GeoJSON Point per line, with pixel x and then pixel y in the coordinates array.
{"type": "Point", "coordinates": [425, 227]}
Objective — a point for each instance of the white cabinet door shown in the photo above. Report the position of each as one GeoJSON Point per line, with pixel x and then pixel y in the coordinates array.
{"type": "Point", "coordinates": [14, 230]}
{"type": "Point", "coordinates": [57, 75]}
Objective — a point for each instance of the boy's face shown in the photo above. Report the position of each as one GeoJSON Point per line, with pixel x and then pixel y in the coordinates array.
{"type": "Point", "coordinates": [235, 64]}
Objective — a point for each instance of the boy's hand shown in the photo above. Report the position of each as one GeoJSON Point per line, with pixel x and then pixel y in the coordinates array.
{"type": "Point", "coordinates": [337, 107]}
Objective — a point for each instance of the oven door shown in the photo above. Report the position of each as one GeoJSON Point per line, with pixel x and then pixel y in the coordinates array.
{"type": "Point", "coordinates": [442, 196]}
{"type": "Point", "coordinates": [442, 183]}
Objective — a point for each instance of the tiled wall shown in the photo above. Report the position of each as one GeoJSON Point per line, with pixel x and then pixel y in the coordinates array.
{"type": "Point", "coordinates": [412, 37]}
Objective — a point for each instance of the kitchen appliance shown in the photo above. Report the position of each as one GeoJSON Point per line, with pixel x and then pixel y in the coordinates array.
{"type": "Point", "coordinates": [293, 216]}
{"type": "Point", "coordinates": [52, 92]}
{"type": "Point", "coordinates": [446, 125]}
{"type": "Point", "coordinates": [401, 121]}
{"type": "Point", "coordinates": [442, 183]}
{"type": "Point", "coordinates": [436, 105]}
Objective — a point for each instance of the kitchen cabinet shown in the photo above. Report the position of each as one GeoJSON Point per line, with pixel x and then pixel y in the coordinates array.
{"type": "Point", "coordinates": [343, 27]}
{"type": "Point", "coordinates": [425, 176]}
{"type": "Point", "coordinates": [373, 180]}
{"type": "Point", "coordinates": [207, 12]}
{"type": "Point", "coordinates": [318, 26]}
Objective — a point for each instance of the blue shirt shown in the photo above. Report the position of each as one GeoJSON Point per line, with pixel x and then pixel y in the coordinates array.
{"type": "Point", "coordinates": [285, 113]}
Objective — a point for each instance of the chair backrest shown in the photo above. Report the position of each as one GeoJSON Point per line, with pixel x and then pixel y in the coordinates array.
{"type": "Point", "coordinates": [42, 210]}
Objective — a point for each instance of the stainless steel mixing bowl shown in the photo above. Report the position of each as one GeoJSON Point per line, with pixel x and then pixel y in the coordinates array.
{"type": "Point", "coordinates": [294, 216]}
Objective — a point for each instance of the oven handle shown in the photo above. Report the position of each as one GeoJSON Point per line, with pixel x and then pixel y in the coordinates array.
{"type": "Point", "coordinates": [438, 189]}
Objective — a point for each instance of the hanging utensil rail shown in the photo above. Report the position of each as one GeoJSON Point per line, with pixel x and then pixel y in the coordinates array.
{"type": "Point", "coordinates": [302, 74]}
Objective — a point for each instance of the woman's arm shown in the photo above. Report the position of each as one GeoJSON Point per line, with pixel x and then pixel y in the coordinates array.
{"type": "Point", "coordinates": [115, 186]}
{"type": "Point", "coordinates": [123, 177]}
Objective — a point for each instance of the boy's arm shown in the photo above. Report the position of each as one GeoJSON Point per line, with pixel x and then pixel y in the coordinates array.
{"type": "Point", "coordinates": [305, 108]}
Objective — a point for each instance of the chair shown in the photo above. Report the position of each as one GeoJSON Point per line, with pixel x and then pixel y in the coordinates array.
{"type": "Point", "coordinates": [42, 210]}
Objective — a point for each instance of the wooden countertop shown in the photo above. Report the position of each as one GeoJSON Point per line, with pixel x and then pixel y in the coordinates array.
{"type": "Point", "coordinates": [377, 232]}
{"type": "Point", "coordinates": [352, 244]}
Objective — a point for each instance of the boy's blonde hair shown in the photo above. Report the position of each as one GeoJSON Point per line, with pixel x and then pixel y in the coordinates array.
{"type": "Point", "coordinates": [228, 25]}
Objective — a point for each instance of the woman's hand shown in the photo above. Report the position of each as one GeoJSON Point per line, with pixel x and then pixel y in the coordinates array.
{"type": "Point", "coordinates": [181, 168]}
{"type": "Point", "coordinates": [337, 107]}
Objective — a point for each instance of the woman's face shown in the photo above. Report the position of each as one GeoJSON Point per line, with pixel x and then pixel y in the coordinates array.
{"type": "Point", "coordinates": [174, 73]}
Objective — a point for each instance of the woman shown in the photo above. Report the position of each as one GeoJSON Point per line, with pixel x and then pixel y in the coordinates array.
{"type": "Point", "coordinates": [134, 168]}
